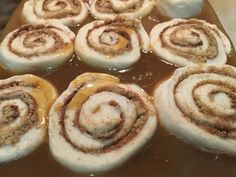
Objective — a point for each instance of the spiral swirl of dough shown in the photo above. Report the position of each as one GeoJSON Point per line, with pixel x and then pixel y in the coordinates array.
{"type": "Point", "coordinates": [198, 104]}
{"type": "Point", "coordinates": [67, 12]}
{"type": "Point", "coordinates": [24, 104]}
{"type": "Point", "coordinates": [111, 44]}
{"type": "Point", "coordinates": [35, 47]}
{"type": "Point", "coordinates": [99, 123]}
{"type": "Point", "coordinates": [187, 42]}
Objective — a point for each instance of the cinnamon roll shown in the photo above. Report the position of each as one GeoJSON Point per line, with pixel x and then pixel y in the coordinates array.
{"type": "Point", "coordinates": [109, 9]}
{"type": "Point", "coordinates": [67, 12]}
{"type": "Point", "coordinates": [24, 105]}
{"type": "Point", "coordinates": [99, 123]}
{"type": "Point", "coordinates": [35, 47]}
{"type": "Point", "coordinates": [186, 42]}
{"type": "Point", "coordinates": [197, 104]}
{"type": "Point", "coordinates": [113, 44]}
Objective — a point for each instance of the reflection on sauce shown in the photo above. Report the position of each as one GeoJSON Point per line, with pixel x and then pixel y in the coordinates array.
{"type": "Point", "coordinates": [165, 156]}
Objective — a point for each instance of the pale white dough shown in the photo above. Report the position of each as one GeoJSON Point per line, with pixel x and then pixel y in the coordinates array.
{"type": "Point", "coordinates": [120, 7]}
{"type": "Point", "coordinates": [34, 13]}
{"type": "Point", "coordinates": [28, 142]}
{"type": "Point", "coordinates": [179, 124]}
{"type": "Point", "coordinates": [180, 8]}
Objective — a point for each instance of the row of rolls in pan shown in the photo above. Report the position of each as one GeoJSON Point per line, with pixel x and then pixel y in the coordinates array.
{"type": "Point", "coordinates": [73, 12]}
{"type": "Point", "coordinates": [98, 123]}
{"type": "Point", "coordinates": [113, 44]}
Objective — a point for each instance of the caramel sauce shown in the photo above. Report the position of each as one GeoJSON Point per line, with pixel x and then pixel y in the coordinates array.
{"type": "Point", "coordinates": [82, 95]}
{"type": "Point", "coordinates": [44, 94]}
{"type": "Point", "coordinates": [164, 156]}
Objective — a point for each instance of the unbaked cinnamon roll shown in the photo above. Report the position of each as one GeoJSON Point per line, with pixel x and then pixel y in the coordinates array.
{"type": "Point", "coordinates": [109, 9]}
{"type": "Point", "coordinates": [186, 42]}
{"type": "Point", "coordinates": [36, 47]}
{"type": "Point", "coordinates": [99, 123]}
{"type": "Point", "coordinates": [198, 105]}
{"type": "Point", "coordinates": [24, 104]}
{"type": "Point", "coordinates": [112, 44]}
{"type": "Point", "coordinates": [67, 12]}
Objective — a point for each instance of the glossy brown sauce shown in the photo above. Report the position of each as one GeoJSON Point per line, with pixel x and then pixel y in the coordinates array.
{"type": "Point", "coordinates": [164, 156]}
